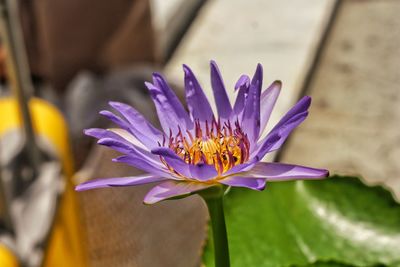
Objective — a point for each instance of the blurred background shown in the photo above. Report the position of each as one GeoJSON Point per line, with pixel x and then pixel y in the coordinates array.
{"type": "Point", "coordinates": [69, 58]}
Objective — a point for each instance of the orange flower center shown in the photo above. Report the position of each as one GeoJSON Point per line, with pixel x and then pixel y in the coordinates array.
{"type": "Point", "coordinates": [223, 147]}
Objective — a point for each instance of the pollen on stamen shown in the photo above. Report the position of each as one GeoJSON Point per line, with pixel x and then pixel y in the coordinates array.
{"type": "Point", "coordinates": [223, 146]}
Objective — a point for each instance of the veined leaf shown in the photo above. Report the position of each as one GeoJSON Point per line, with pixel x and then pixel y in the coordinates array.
{"type": "Point", "coordinates": [334, 222]}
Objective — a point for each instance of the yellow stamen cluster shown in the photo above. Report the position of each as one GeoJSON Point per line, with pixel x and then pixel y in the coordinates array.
{"type": "Point", "coordinates": [222, 146]}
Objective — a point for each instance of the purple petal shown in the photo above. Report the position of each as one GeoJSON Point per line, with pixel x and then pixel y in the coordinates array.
{"type": "Point", "coordinates": [197, 102]}
{"type": "Point", "coordinates": [243, 82]}
{"type": "Point", "coordinates": [124, 125]}
{"type": "Point", "coordinates": [221, 98]}
{"type": "Point", "coordinates": [242, 85]}
{"type": "Point", "coordinates": [116, 145]}
{"type": "Point", "coordinates": [286, 125]}
{"type": "Point", "coordinates": [99, 133]}
{"type": "Point", "coordinates": [268, 100]}
{"type": "Point", "coordinates": [242, 167]}
{"type": "Point", "coordinates": [144, 165]}
{"type": "Point", "coordinates": [170, 189]}
{"type": "Point", "coordinates": [280, 171]}
{"type": "Point", "coordinates": [286, 129]}
{"type": "Point", "coordinates": [266, 146]}
{"type": "Point", "coordinates": [120, 144]}
{"type": "Point", "coordinates": [173, 160]}
{"type": "Point", "coordinates": [176, 104]}
{"type": "Point", "coordinates": [115, 119]}
{"type": "Point", "coordinates": [300, 107]}
{"type": "Point", "coordinates": [251, 114]}
{"type": "Point", "coordinates": [127, 136]}
{"type": "Point", "coordinates": [248, 182]}
{"type": "Point", "coordinates": [118, 134]}
{"type": "Point", "coordinates": [167, 106]}
{"type": "Point", "coordinates": [121, 181]}
{"type": "Point", "coordinates": [139, 126]}
{"type": "Point", "coordinates": [202, 172]}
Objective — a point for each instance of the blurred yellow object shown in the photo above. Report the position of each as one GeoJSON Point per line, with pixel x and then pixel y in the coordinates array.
{"type": "Point", "coordinates": [7, 259]}
{"type": "Point", "coordinates": [66, 245]}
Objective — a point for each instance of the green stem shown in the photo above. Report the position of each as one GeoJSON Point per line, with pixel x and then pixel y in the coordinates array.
{"type": "Point", "coordinates": [221, 250]}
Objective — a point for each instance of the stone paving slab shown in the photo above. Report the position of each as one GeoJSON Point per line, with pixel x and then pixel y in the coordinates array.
{"type": "Point", "coordinates": [169, 18]}
{"type": "Point", "coordinates": [122, 231]}
{"type": "Point", "coordinates": [354, 123]}
{"type": "Point", "coordinates": [238, 34]}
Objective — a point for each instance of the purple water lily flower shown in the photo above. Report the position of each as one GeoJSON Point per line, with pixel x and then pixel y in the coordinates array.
{"type": "Point", "coordinates": [199, 149]}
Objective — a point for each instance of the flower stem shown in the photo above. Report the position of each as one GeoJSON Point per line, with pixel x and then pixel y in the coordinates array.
{"type": "Point", "coordinates": [221, 250]}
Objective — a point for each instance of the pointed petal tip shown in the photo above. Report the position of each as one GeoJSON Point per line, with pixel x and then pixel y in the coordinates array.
{"type": "Point", "coordinates": [103, 141]}
{"type": "Point", "coordinates": [106, 141]}
{"type": "Point", "coordinates": [149, 85]}
{"type": "Point", "coordinates": [157, 76]}
{"type": "Point", "coordinates": [243, 80]}
{"type": "Point", "coordinates": [153, 198]}
{"type": "Point", "coordinates": [307, 99]}
{"type": "Point", "coordinates": [186, 70]}
{"type": "Point", "coordinates": [95, 132]}
{"type": "Point", "coordinates": [275, 171]}
{"type": "Point", "coordinates": [258, 76]}
{"type": "Point", "coordinates": [84, 187]}
{"type": "Point", "coordinates": [173, 190]}
{"type": "Point", "coordinates": [118, 105]}
{"type": "Point", "coordinates": [153, 90]}
{"type": "Point", "coordinates": [151, 201]}
{"type": "Point", "coordinates": [221, 98]}
{"type": "Point", "coordinates": [278, 83]}
{"type": "Point", "coordinates": [78, 188]}
{"type": "Point", "coordinates": [115, 103]}
{"type": "Point", "coordinates": [185, 67]}
{"type": "Point", "coordinates": [306, 102]}
{"type": "Point", "coordinates": [101, 112]}
{"type": "Point", "coordinates": [105, 112]}
{"type": "Point", "coordinates": [214, 68]}
{"type": "Point", "coordinates": [89, 131]}
{"type": "Point", "coordinates": [157, 150]}
{"type": "Point", "coordinates": [165, 152]}
{"type": "Point", "coordinates": [158, 82]}
{"type": "Point", "coordinates": [254, 183]}
{"type": "Point", "coordinates": [262, 186]}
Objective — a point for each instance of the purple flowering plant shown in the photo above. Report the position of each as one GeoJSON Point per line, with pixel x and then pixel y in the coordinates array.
{"type": "Point", "coordinates": [202, 152]}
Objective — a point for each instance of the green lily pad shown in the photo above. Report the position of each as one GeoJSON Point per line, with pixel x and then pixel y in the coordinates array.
{"type": "Point", "coordinates": [334, 222]}
{"type": "Point", "coordinates": [326, 264]}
